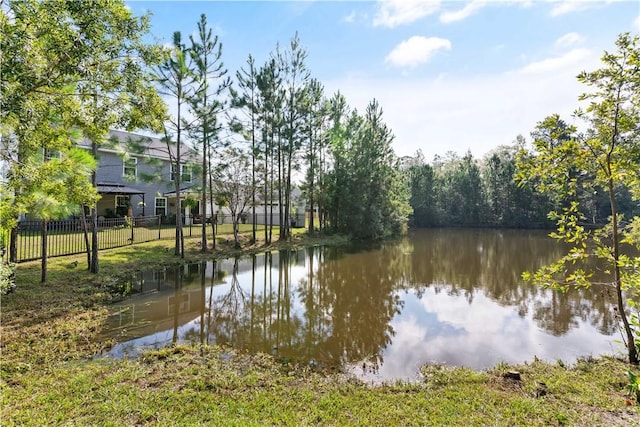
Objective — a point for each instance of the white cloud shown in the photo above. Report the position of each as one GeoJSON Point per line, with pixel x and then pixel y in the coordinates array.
{"type": "Point", "coordinates": [480, 112]}
{"type": "Point", "coordinates": [523, 3]}
{"type": "Point", "coordinates": [569, 59]}
{"type": "Point", "coordinates": [474, 5]}
{"type": "Point", "coordinates": [392, 13]}
{"type": "Point", "coordinates": [563, 7]}
{"type": "Point", "coordinates": [350, 17]}
{"type": "Point", "coordinates": [416, 50]}
{"type": "Point", "coordinates": [444, 327]}
{"type": "Point", "coordinates": [569, 39]}
{"type": "Point", "coordinates": [636, 24]}
{"type": "Point", "coordinates": [465, 12]}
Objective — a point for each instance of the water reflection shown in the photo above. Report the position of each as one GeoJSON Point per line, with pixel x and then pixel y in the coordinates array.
{"type": "Point", "coordinates": [446, 296]}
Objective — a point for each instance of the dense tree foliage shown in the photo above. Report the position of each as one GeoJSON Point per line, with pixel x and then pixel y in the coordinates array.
{"type": "Point", "coordinates": [507, 203]}
{"type": "Point", "coordinates": [366, 195]}
{"type": "Point", "coordinates": [458, 192]}
{"type": "Point", "coordinates": [68, 71]}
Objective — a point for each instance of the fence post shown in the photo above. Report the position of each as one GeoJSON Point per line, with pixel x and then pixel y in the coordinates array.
{"type": "Point", "coordinates": [133, 223]}
{"type": "Point", "coordinates": [159, 226]}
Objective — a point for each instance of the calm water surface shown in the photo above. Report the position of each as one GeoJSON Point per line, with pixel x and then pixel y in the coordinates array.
{"type": "Point", "coordinates": [442, 296]}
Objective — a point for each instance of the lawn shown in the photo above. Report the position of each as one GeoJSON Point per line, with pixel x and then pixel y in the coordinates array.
{"type": "Point", "coordinates": [62, 243]}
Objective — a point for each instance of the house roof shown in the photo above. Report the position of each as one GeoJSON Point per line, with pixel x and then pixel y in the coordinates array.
{"type": "Point", "coordinates": [114, 188]}
{"type": "Point", "coordinates": [151, 146]}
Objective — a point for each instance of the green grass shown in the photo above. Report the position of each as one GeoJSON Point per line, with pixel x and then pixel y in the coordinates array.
{"type": "Point", "coordinates": [48, 377]}
{"type": "Point", "coordinates": [64, 243]}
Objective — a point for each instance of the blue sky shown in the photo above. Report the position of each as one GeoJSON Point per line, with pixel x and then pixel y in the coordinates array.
{"type": "Point", "coordinates": [449, 75]}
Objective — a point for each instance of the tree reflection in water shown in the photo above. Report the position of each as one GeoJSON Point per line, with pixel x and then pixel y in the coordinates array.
{"type": "Point", "coordinates": [333, 306]}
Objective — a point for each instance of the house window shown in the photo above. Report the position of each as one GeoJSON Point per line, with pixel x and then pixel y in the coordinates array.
{"type": "Point", "coordinates": [130, 168]}
{"type": "Point", "coordinates": [185, 173]}
{"type": "Point", "coordinates": [122, 201]}
{"type": "Point", "coordinates": [161, 205]}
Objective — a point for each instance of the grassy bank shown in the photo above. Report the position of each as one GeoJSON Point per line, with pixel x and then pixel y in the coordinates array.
{"type": "Point", "coordinates": [50, 332]}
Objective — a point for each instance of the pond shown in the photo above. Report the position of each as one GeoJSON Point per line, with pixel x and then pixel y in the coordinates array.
{"type": "Point", "coordinates": [447, 296]}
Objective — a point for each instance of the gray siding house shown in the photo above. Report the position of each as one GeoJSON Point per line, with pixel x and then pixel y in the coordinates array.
{"type": "Point", "coordinates": [134, 176]}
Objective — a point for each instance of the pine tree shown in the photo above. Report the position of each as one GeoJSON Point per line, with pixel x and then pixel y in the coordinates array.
{"type": "Point", "coordinates": [207, 103]}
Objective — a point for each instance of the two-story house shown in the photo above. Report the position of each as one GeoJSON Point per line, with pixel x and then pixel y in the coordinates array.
{"type": "Point", "coordinates": [134, 177]}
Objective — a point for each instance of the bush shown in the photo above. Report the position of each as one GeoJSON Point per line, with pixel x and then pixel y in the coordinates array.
{"type": "Point", "coordinates": [7, 277]}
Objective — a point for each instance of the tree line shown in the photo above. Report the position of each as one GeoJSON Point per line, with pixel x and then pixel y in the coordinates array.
{"type": "Point", "coordinates": [277, 122]}
{"type": "Point", "coordinates": [468, 192]}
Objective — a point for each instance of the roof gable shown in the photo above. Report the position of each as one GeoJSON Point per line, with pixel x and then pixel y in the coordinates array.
{"type": "Point", "coordinates": [120, 141]}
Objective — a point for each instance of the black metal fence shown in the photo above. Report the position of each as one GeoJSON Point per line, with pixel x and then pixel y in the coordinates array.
{"type": "Point", "coordinates": [71, 236]}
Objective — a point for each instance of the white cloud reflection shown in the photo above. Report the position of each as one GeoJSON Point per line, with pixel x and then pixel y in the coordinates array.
{"type": "Point", "coordinates": [444, 328]}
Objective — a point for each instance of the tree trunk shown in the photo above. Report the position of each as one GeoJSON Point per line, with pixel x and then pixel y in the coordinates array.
{"type": "Point", "coordinates": [311, 179]}
{"type": "Point", "coordinates": [287, 195]}
{"type": "Point", "coordinates": [266, 184]}
{"type": "Point", "coordinates": [287, 200]}
{"type": "Point", "coordinates": [214, 215]}
{"type": "Point", "coordinates": [236, 240]}
{"type": "Point", "coordinates": [271, 190]}
{"type": "Point", "coordinates": [203, 201]}
{"type": "Point", "coordinates": [631, 347]}
{"type": "Point", "coordinates": [179, 249]}
{"type": "Point", "coordinates": [253, 177]}
{"type": "Point", "coordinates": [280, 172]}
{"type": "Point", "coordinates": [205, 168]}
{"type": "Point", "coordinates": [321, 189]}
{"type": "Point", "coordinates": [94, 265]}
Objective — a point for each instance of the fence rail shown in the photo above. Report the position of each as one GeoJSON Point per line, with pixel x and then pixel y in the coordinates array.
{"type": "Point", "coordinates": [68, 237]}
